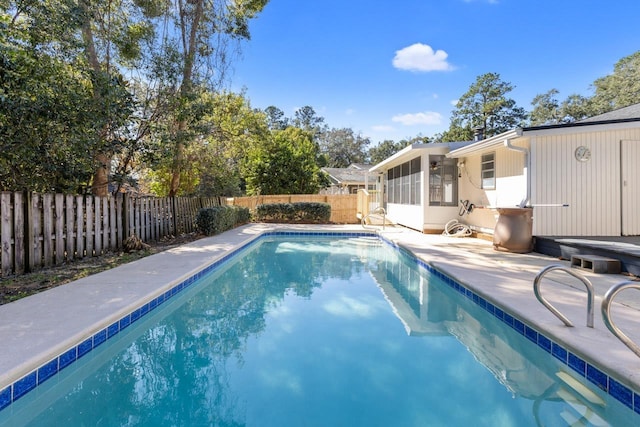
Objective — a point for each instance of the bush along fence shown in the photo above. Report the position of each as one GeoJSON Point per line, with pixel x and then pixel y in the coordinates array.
{"type": "Point", "coordinates": [41, 230]}
{"type": "Point", "coordinates": [217, 219]}
{"type": "Point", "coordinates": [299, 212]}
{"type": "Point", "coordinates": [343, 206]}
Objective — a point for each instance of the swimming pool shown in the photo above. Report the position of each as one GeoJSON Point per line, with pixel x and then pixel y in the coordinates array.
{"type": "Point", "coordinates": [321, 331]}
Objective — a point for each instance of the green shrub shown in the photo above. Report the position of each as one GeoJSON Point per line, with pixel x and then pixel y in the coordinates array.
{"type": "Point", "coordinates": [217, 219]}
{"type": "Point", "coordinates": [301, 212]}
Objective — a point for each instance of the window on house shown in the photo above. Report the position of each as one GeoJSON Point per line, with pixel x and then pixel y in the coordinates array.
{"type": "Point", "coordinates": [443, 181]}
{"type": "Point", "coordinates": [488, 171]}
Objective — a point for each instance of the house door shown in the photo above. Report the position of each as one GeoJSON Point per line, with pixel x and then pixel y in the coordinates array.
{"type": "Point", "coordinates": [630, 184]}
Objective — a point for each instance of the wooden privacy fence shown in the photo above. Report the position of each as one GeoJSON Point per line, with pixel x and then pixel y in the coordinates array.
{"type": "Point", "coordinates": [41, 230]}
{"type": "Point", "coordinates": [343, 206]}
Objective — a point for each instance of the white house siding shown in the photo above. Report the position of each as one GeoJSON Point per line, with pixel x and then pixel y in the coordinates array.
{"type": "Point", "coordinates": [511, 185]}
{"type": "Point", "coordinates": [592, 189]}
{"type": "Point", "coordinates": [630, 155]}
{"type": "Point", "coordinates": [407, 215]}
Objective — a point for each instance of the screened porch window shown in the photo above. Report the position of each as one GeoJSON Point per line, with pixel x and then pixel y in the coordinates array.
{"type": "Point", "coordinates": [443, 181]}
{"type": "Point", "coordinates": [404, 183]}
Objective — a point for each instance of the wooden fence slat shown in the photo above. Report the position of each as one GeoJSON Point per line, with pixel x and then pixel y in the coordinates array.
{"type": "Point", "coordinates": [47, 229]}
{"type": "Point", "coordinates": [89, 237]}
{"type": "Point", "coordinates": [19, 255]}
{"type": "Point", "coordinates": [70, 227]}
{"type": "Point", "coordinates": [59, 228]}
{"type": "Point", "coordinates": [140, 218]}
{"type": "Point", "coordinates": [35, 219]}
{"type": "Point", "coordinates": [156, 219]}
{"type": "Point", "coordinates": [119, 219]}
{"type": "Point", "coordinates": [106, 245]}
{"type": "Point", "coordinates": [6, 233]}
{"type": "Point", "coordinates": [145, 219]}
{"type": "Point", "coordinates": [113, 244]}
{"type": "Point", "coordinates": [80, 226]}
{"type": "Point", "coordinates": [161, 218]}
{"type": "Point", "coordinates": [177, 216]}
{"type": "Point", "coordinates": [97, 226]}
{"type": "Point", "coordinates": [153, 220]}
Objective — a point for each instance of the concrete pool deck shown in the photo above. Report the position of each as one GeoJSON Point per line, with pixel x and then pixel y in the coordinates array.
{"type": "Point", "coordinates": [36, 329]}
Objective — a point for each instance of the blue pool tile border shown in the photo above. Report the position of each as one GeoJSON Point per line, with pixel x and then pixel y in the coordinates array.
{"type": "Point", "coordinates": [604, 382]}
{"type": "Point", "coordinates": [600, 379]}
{"type": "Point", "coordinates": [30, 381]}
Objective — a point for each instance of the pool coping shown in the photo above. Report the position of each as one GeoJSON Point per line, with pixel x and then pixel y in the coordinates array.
{"type": "Point", "coordinates": [54, 349]}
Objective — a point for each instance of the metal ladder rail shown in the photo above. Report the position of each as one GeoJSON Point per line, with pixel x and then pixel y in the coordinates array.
{"type": "Point", "coordinates": [584, 280]}
{"type": "Point", "coordinates": [606, 313]}
{"type": "Point", "coordinates": [379, 209]}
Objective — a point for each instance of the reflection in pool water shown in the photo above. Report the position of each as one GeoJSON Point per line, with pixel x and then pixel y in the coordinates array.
{"type": "Point", "coordinates": [318, 332]}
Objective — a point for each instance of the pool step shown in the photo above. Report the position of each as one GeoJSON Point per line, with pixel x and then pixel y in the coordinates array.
{"type": "Point", "coordinates": [597, 264]}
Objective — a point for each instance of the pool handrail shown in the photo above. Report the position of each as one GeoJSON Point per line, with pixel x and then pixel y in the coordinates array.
{"type": "Point", "coordinates": [606, 313]}
{"type": "Point", "coordinates": [590, 294]}
{"type": "Point", "coordinates": [378, 210]}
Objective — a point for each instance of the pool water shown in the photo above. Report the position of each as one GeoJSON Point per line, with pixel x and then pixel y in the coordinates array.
{"type": "Point", "coordinates": [326, 331]}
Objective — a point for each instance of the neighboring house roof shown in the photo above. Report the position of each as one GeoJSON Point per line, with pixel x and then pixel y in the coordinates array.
{"type": "Point", "coordinates": [359, 166]}
{"type": "Point", "coordinates": [346, 176]}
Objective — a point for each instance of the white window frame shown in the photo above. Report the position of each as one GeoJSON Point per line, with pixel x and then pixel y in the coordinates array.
{"type": "Point", "coordinates": [488, 171]}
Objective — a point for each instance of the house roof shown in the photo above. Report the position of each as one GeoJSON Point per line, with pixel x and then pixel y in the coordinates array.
{"type": "Point", "coordinates": [623, 117]}
{"type": "Point", "coordinates": [486, 144]}
{"type": "Point", "coordinates": [346, 175]}
{"type": "Point", "coordinates": [626, 113]}
{"type": "Point", "coordinates": [410, 150]}
{"type": "Point", "coordinates": [359, 166]}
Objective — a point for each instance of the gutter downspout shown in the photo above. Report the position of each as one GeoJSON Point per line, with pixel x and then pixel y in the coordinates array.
{"type": "Point", "coordinates": [527, 167]}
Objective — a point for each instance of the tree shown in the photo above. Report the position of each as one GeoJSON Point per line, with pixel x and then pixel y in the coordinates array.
{"type": "Point", "coordinates": [45, 118]}
{"type": "Point", "coordinates": [619, 89]}
{"type": "Point", "coordinates": [226, 130]}
{"type": "Point", "coordinates": [342, 147]}
{"type": "Point", "coordinates": [576, 107]}
{"type": "Point", "coordinates": [485, 105]}
{"type": "Point", "coordinates": [307, 119]}
{"type": "Point", "coordinates": [546, 109]}
{"type": "Point", "coordinates": [276, 118]}
{"type": "Point", "coordinates": [284, 164]}
{"type": "Point", "coordinates": [384, 150]}
{"type": "Point", "coordinates": [549, 111]}
{"type": "Point", "coordinates": [196, 54]}
{"type": "Point", "coordinates": [83, 43]}
{"type": "Point", "coordinates": [458, 131]}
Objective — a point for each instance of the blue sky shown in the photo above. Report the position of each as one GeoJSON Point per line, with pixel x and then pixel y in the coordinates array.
{"type": "Point", "coordinates": [390, 69]}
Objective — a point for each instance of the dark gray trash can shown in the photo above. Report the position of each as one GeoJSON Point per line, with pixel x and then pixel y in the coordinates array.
{"type": "Point", "coordinates": [513, 232]}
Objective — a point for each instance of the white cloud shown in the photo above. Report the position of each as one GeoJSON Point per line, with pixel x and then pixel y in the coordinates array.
{"type": "Point", "coordinates": [350, 111]}
{"type": "Point", "coordinates": [421, 57]}
{"type": "Point", "coordinates": [454, 102]}
{"type": "Point", "coordinates": [425, 118]}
